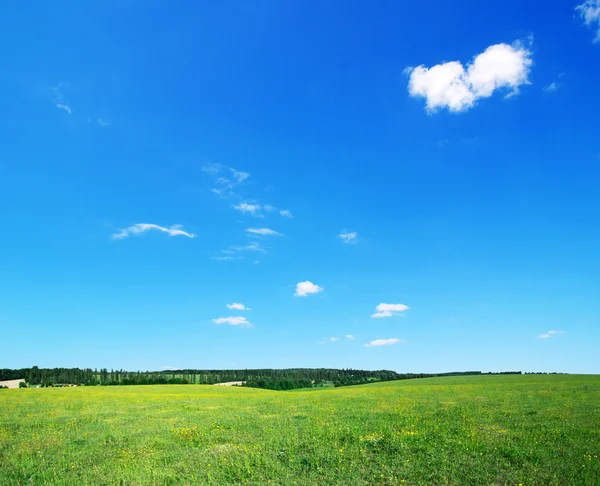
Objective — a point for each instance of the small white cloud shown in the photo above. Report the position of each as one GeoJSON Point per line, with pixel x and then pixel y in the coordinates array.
{"type": "Point", "coordinates": [389, 310]}
{"type": "Point", "coordinates": [254, 246]}
{"type": "Point", "coordinates": [350, 336]}
{"type": "Point", "coordinates": [233, 321]}
{"type": "Point", "coordinates": [286, 213]}
{"type": "Point", "coordinates": [549, 334]}
{"type": "Point", "coordinates": [62, 106]}
{"type": "Point", "coordinates": [348, 237]}
{"type": "Point", "coordinates": [239, 176]}
{"type": "Point", "coordinates": [590, 13]}
{"type": "Point", "coordinates": [551, 87]}
{"type": "Point", "coordinates": [103, 123]}
{"type": "Point", "coordinates": [306, 288]}
{"type": "Point", "coordinates": [334, 339]}
{"type": "Point", "coordinates": [269, 209]}
{"type": "Point", "coordinates": [140, 228]}
{"type": "Point", "coordinates": [238, 306]}
{"type": "Point", "coordinates": [212, 168]}
{"type": "Point", "coordinates": [263, 232]}
{"type": "Point", "coordinates": [452, 86]}
{"type": "Point", "coordinates": [384, 342]}
{"type": "Point", "coordinates": [223, 258]}
{"type": "Point", "coordinates": [248, 208]}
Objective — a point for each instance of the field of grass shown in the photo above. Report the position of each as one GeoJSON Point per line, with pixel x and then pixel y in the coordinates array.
{"type": "Point", "coordinates": [479, 430]}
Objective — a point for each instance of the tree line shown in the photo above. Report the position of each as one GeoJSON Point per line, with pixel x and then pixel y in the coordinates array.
{"type": "Point", "coordinates": [274, 379]}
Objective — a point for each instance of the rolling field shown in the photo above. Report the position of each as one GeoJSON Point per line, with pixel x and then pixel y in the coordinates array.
{"type": "Point", "coordinates": [480, 430]}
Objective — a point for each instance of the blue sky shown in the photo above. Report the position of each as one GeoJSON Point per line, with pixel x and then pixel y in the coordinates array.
{"type": "Point", "coordinates": [422, 177]}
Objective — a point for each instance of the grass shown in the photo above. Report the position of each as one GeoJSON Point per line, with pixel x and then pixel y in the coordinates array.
{"type": "Point", "coordinates": [494, 430]}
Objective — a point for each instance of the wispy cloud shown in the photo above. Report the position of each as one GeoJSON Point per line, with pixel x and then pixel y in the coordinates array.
{"type": "Point", "coordinates": [238, 306]}
{"type": "Point", "coordinates": [350, 336]}
{"type": "Point", "coordinates": [239, 176]}
{"type": "Point", "coordinates": [239, 321]}
{"type": "Point", "coordinates": [253, 246]}
{"type": "Point", "coordinates": [549, 334]}
{"type": "Point", "coordinates": [307, 288]}
{"type": "Point", "coordinates": [389, 310]}
{"type": "Point", "coordinates": [62, 106]}
{"type": "Point", "coordinates": [456, 87]}
{"type": "Point", "coordinates": [551, 88]}
{"type": "Point", "coordinates": [384, 342]}
{"type": "Point", "coordinates": [589, 11]}
{"type": "Point", "coordinates": [226, 258]}
{"type": "Point", "coordinates": [348, 237]}
{"type": "Point", "coordinates": [59, 100]}
{"type": "Point", "coordinates": [139, 228]}
{"type": "Point", "coordinates": [334, 339]}
{"type": "Point", "coordinates": [103, 123]}
{"type": "Point", "coordinates": [263, 232]}
{"type": "Point", "coordinates": [286, 213]}
{"type": "Point", "coordinates": [211, 168]}
{"type": "Point", "coordinates": [251, 208]}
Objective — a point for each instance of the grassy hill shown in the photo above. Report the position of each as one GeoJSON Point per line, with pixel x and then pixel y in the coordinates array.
{"type": "Point", "coordinates": [513, 429]}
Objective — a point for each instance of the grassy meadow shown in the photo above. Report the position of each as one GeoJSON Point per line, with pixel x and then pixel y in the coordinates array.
{"type": "Point", "coordinates": [478, 430]}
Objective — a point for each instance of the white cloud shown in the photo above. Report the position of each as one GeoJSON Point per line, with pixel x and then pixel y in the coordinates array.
{"type": "Point", "coordinates": [334, 339]}
{"type": "Point", "coordinates": [306, 288]}
{"type": "Point", "coordinates": [62, 106]}
{"type": "Point", "coordinates": [254, 246]}
{"type": "Point", "coordinates": [551, 87]}
{"type": "Point", "coordinates": [549, 334]}
{"type": "Point", "coordinates": [389, 310]}
{"type": "Point", "coordinates": [223, 258]}
{"type": "Point", "coordinates": [384, 342]}
{"type": "Point", "coordinates": [140, 228]}
{"type": "Point", "coordinates": [171, 368]}
{"type": "Point", "coordinates": [239, 176]}
{"type": "Point", "coordinates": [350, 336]}
{"type": "Point", "coordinates": [450, 85]}
{"type": "Point", "coordinates": [238, 306]}
{"type": "Point", "coordinates": [233, 321]}
{"type": "Point", "coordinates": [348, 237]}
{"type": "Point", "coordinates": [590, 13]}
{"type": "Point", "coordinates": [263, 232]}
{"type": "Point", "coordinates": [103, 123]}
{"type": "Point", "coordinates": [212, 168]}
{"type": "Point", "coordinates": [269, 209]}
{"type": "Point", "coordinates": [248, 208]}
{"type": "Point", "coordinates": [286, 213]}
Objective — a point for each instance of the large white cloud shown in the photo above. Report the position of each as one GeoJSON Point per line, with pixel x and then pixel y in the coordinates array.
{"type": "Point", "coordinates": [140, 228]}
{"type": "Point", "coordinates": [384, 342]}
{"type": "Point", "coordinates": [389, 310]}
{"type": "Point", "coordinates": [306, 288]}
{"type": "Point", "coordinates": [233, 321]}
{"type": "Point", "coordinates": [590, 13]}
{"type": "Point", "coordinates": [456, 87]}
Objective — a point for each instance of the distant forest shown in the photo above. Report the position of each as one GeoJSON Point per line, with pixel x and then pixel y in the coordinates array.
{"type": "Point", "coordinates": [286, 379]}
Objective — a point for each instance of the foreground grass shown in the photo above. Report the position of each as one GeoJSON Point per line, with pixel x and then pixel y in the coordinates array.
{"type": "Point", "coordinates": [470, 430]}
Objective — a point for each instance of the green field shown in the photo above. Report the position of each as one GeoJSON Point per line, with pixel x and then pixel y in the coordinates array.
{"type": "Point", "coordinates": [530, 429]}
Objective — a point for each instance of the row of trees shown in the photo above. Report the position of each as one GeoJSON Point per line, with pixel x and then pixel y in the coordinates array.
{"type": "Point", "coordinates": [284, 379]}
